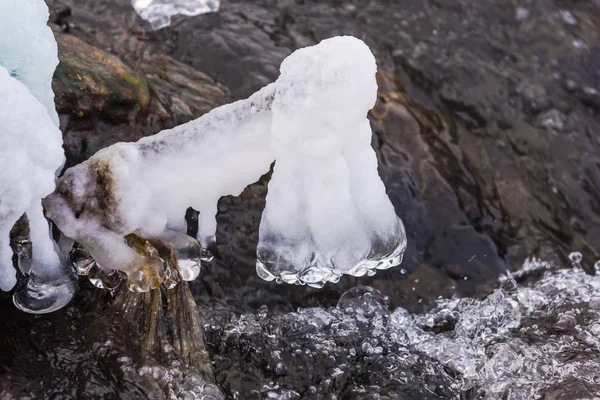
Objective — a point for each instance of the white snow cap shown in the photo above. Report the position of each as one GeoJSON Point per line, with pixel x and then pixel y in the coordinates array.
{"type": "Point", "coordinates": [327, 211]}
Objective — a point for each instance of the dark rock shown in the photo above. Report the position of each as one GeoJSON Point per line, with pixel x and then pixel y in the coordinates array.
{"type": "Point", "coordinates": [102, 100]}
{"type": "Point", "coordinates": [93, 85]}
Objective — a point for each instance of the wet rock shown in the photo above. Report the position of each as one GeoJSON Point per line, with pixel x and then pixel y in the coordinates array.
{"type": "Point", "coordinates": [93, 85]}
{"type": "Point", "coordinates": [485, 132]}
{"type": "Point", "coordinates": [104, 97]}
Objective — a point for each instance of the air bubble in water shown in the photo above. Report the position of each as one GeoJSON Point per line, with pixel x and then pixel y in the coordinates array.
{"type": "Point", "coordinates": [576, 258]}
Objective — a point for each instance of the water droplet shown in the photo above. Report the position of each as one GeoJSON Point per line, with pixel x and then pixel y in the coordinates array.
{"type": "Point", "coordinates": [576, 258]}
{"type": "Point", "coordinates": [102, 279]}
{"type": "Point", "coordinates": [41, 296]}
{"type": "Point", "coordinates": [82, 260]}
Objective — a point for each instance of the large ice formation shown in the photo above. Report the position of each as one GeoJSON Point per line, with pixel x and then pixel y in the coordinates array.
{"type": "Point", "coordinates": [31, 151]}
{"type": "Point", "coordinates": [327, 211]}
{"type": "Point", "coordinates": [159, 12]}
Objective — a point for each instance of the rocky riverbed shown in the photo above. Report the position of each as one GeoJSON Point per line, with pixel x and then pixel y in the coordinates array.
{"type": "Point", "coordinates": [486, 131]}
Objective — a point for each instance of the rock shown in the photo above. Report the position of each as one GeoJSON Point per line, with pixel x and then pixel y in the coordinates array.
{"type": "Point", "coordinates": [93, 85]}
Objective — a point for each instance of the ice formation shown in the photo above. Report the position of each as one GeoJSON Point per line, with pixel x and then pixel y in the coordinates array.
{"type": "Point", "coordinates": [31, 151]}
{"type": "Point", "coordinates": [145, 188]}
{"type": "Point", "coordinates": [159, 12]}
{"type": "Point", "coordinates": [327, 211]}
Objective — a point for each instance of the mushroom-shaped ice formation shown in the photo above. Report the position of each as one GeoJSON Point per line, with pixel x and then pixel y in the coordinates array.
{"type": "Point", "coordinates": [327, 211]}
{"type": "Point", "coordinates": [31, 152]}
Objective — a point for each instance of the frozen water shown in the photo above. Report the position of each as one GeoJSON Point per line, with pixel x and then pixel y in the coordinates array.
{"type": "Point", "coordinates": [28, 49]}
{"type": "Point", "coordinates": [159, 12]}
{"type": "Point", "coordinates": [327, 211]}
{"type": "Point", "coordinates": [522, 342]}
{"type": "Point", "coordinates": [146, 187]}
{"type": "Point", "coordinates": [31, 153]}
{"type": "Point", "coordinates": [188, 253]}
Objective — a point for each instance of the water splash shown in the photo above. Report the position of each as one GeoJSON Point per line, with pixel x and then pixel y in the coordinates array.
{"type": "Point", "coordinates": [521, 342]}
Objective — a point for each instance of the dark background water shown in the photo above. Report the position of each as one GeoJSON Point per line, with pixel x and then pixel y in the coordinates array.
{"type": "Point", "coordinates": [486, 131]}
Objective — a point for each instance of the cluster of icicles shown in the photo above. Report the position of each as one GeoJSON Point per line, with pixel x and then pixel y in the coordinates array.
{"type": "Point", "coordinates": [121, 213]}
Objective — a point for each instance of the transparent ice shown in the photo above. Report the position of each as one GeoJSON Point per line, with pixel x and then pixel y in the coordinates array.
{"type": "Point", "coordinates": [159, 12]}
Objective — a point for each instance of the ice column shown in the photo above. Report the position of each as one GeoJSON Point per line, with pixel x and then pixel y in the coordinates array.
{"type": "Point", "coordinates": [145, 188]}
{"type": "Point", "coordinates": [327, 211]}
{"type": "Point", "coordinates": [30, 152]}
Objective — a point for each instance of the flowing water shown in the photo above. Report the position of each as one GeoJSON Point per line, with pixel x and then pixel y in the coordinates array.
{"type": "Point", "coordinates": [523, 341]}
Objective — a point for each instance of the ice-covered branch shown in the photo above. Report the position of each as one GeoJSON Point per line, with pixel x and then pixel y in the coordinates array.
{"type": "Point", "coordinates": [31, 151]}
{"type": "Point", "coordinates": [145, 188]}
